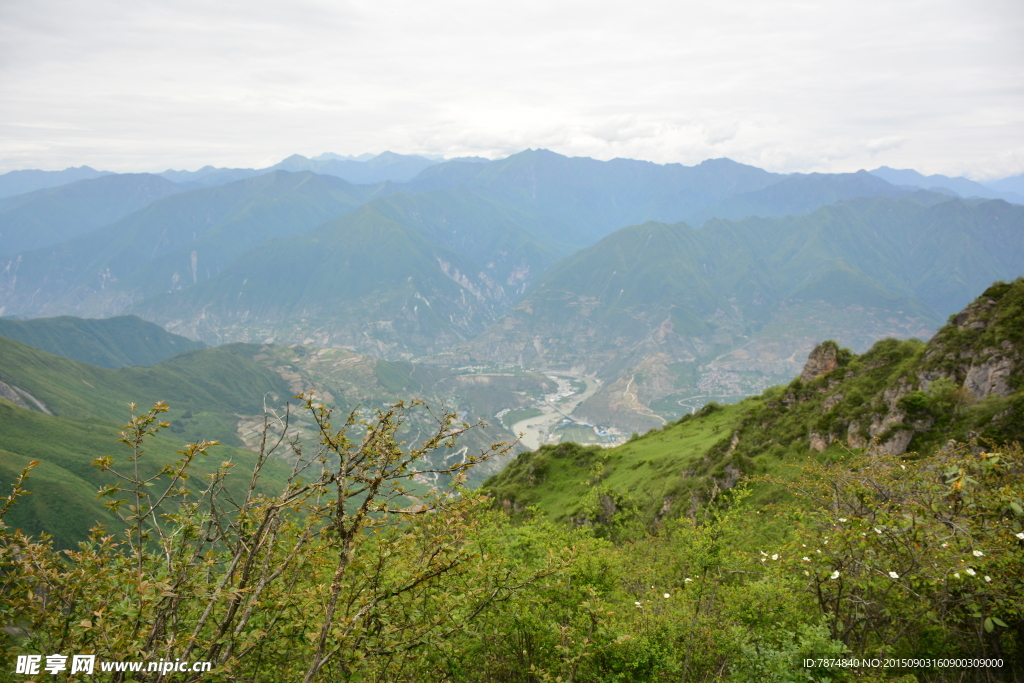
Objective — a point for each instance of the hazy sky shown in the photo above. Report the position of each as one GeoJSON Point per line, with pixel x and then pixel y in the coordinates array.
{"type": "Point", "coordinates": [936, 85]}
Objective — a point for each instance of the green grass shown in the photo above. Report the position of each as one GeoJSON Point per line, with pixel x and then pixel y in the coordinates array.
{"type": "Point", "coordinates": [118, 342]}
{"type": "Point", "coordinates": [89, 406]}
{"type": "Point", "coordinates": [649, 468]}
{"type": "Point", "coordinates": [513, 416]}
{"type": "Point", "coordinates": [583, 435]}
{"type": "Point", "coordinates": [63, 487]}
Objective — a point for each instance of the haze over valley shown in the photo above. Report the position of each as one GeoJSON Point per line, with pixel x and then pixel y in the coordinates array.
{"type": "Point", "coordinates": [565, 297]}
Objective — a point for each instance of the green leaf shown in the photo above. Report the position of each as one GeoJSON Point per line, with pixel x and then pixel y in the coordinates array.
{"type": "Point", "coordinates": [989, 626]}
{"type": "Point", "coordinates": [1017, 508]}
{"type": "Point", "coordinates": [999, 622]}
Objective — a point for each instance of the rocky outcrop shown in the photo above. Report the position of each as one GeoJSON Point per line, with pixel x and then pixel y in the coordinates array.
{"type": "Point", "coordinates": [22, 398]}
{"type": "Point", "coordinates": [822, 360]}
{"type": "Point", "coordinates": [990, 377]}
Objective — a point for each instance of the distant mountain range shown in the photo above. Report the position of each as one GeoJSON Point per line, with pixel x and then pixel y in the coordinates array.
{"type": "Point", "coordinates": [19, 182]}
{"type": "Point", "coordinates": [672, 285]}
{"type": "Point", "coordinates": [1010, 189]}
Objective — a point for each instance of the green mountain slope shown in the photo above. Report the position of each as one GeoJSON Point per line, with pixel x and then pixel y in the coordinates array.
{"type": "Point", "coordinates": [670, 313]}
{"type": "Point", "coordinates": [801, 193]}
{"type": "Point", "coordinates": [66, 413]}
{"type": "Point", "coordinates": [117, 342]}
{"type": "Point", "coordinates": [511, 246]}
{"type": "Point", "coordinates": [221, 382]}
{"type": "Point", "coordinates": [174, 242]}
{"type": "Point", "coordinates": [401, 275]}
{"type": "Point", "coordinates": [361, 281]}
{"type": "Point", "coordinates": [46, 217]}
{"type": "Point", "coordinates": [967, 382]}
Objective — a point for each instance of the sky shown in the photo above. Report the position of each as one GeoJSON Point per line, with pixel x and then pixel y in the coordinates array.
{"type": "Point", "coordinates": [143, 85]}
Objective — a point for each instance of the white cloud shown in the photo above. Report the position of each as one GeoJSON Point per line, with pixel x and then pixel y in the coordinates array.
{"type": "Point", "coordinates": [785, 85]}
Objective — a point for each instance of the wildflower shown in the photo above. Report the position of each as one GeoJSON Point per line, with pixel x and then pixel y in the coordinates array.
{"type": "Point", "coordinates": [988, 579]}
{"type": "Point", "coordinates": [806, 559]}
{"type": "Point", "coordinates": [835, 574]}
{"type": "Point", "coordinates": [842, 519]}
{"type": "Point", "coordinates": [667, 596]}
{"type": "Point", "coordinates": [764, 553]}
{"type": "Point", "coordinates": [978, 553]}
{"type": "Point", "coordinates": [945, 545]}
{"type": "Point", "coordinates": [687, 580]}
{"type": "Point", "coordinates": [903, 467]}
{"type": "Point", "coordinates": [893, 575]}
{"type": "Point", "coordinates": [637, 604]}
{"type": "Point", "coordinates": [971, 571]}
{"type": "Point", "coordinates": [763, 559]}
{"type": "Point", "coordinates": [877, 530]}
{"type": "Point", "coordinates": [1020, 535]}
{"type": "Point", "coordinates": [956, 574]}
{"type": "Point", "coordinates": [819, 551]}
{"type": "Point", "coordinates": [775, 557]}
{"type": "Point", "coordinates": [806, 573]}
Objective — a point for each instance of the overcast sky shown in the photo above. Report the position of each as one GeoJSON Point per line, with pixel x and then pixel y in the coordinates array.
{"type": "Point", "coordinates": [814, 85]}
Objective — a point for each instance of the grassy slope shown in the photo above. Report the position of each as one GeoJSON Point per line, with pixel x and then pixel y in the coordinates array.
{"type": "Point", "coordinates": [216, 380]}
{"type": "Point", "coordinates": [89, 408]}
{"type": "Point", "coordinates": [117, 342]}
{"type": "Point", "coordinates": [63, 501]}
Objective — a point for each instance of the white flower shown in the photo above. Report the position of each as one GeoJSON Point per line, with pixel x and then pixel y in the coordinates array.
{"type": "Point", "coordinates": [687, 580]}
{"type": "Point", "coordinates": [978, 553]}
{"type": "Point", "coordinates": [877, 530]}
{"type": "Point", "coordinates": [863, 534]}
{"type": "Point", "coordinates": [763, 559]}
{"type": "Point", "coordinates": [806, 559]}
{"type": "Point", "coordinates": [775, 557]}
{"type": "Point", "coordinates": [945, 545]}
{"type": "Point", "coordinates": [971, 571]}
{"type": "Point", "coordinates": [667, 596]}
{"type": "Point", "coordinates": [819, 551]}
{"type": "Point", "coordinates": [805, 545]}
{"type": "Point", "coordinates": [956, 574]}
{"type": "Point", "coordinates": [764, 553]}
{"type": "Point", "coordinates": [1020, 535]}
{"type": "Point", "coordinates": [806, 573]}
{"type": "Point", "coordinates": [903, 467]}
{"type": "Point", "coordinates": [637, 604]}
{"type": "Point", "coordinates": [842, 519]}
{"type": "Point", "coordinates": [893, 575]}
{"type": "Point", "coordinates": [988, 579]}
{"type": "Point", "coordinates": [835, 574]}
